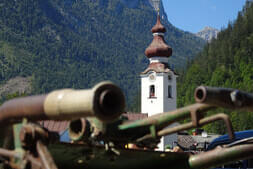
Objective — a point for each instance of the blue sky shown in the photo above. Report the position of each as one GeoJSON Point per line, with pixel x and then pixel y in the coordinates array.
{"type": "Point", "coordinates": [194, 15]}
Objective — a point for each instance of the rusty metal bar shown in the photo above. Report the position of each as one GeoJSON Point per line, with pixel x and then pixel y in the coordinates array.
{"type": "Point", "coordinates": [190, 125]}
{"type": "Point", "coordinates": [34, 161]}
{"type": "Point", "coordinates": [9, 153]}
{"type": "Point", "coordinates": [242, 141]}
{"type": "Point", "coordinates": [79, 129]}
{"type": "Point", "coordinates": [16, 109]}
{"type": "Point", "coordinates": [105, 101]}
{"type": "Point", "coordinates": [45, 157]}
{"type": "Point", "coordinates": [202, 122]}
{"type": "Point", "coordinates": [167, 118]}
{"type": "Point", "coordinates": [220, 156]}
{"type": "Point", "coordinates": [223, 97]}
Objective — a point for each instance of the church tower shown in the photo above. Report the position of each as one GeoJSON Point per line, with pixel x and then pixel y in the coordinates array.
{"type": "Point", "coordinates": [158, 81]}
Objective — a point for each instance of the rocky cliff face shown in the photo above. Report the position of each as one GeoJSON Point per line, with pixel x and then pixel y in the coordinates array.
{"type": "Point", "coordinates": [162, 11]}
{"type": "Point", "coordinates": [208, 33]}
{"type": "Point", "coordinates": [136, 3]}
{"type": "Point", "coordinates": [18, 85]}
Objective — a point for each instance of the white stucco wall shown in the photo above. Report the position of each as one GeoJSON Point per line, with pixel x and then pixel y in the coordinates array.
{"type": "Point", "coordinates": [161, 102]}
{"type": "Point", "coordinates": [170, 103]}
{"type": "Point", "coordinates": [152, 105]}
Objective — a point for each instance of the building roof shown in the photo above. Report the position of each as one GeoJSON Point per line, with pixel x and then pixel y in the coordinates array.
{"type": "Point", "coordinates": [208, 138]}
{"type": "Point", "coordinates": [185, 141]}
{"type": "Point", "coordinates": [55, 126]}
{"type": "Point", "coordinates": [198, 141]}
{"type": "Point", "coordinates": [158, 26]}
{"type": "Point", "coordinates": [158, 47]}
{"type": "Point", "coordinates": [158, 68]}
{"type": "Point", "coordinates": [135, 116]}
{"type": "Point", "coordinates": [202, 142]}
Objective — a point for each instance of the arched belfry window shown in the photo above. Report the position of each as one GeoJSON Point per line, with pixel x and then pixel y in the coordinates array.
{"type": "Point", "coordinates": [152, 91]}
{"type": "Point", "coordinates": [170, 77]}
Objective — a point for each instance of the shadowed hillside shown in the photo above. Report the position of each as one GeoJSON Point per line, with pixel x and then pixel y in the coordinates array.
{"type": "Point", "coordinates": [77, 43]}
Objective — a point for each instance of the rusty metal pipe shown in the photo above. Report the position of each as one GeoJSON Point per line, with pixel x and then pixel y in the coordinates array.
{"type": "Point", "coordinates": [224, 97]}
{"type": "Point", "coordinates": [9, 153]}
{"type": "Point", "coordinates": [79, 129]}
{"type": "Point", "coordinates": [46, 158]}
{"type": "Point", "coordinates": [105, 101]}
{"type": "Point", "coordinates": [220, 156]}
{"type": "Point", "coordinates": [16, 109]}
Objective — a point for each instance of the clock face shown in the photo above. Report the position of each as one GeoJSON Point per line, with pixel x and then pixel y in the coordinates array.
{"type": "Point", "coordinates": [152, 77]}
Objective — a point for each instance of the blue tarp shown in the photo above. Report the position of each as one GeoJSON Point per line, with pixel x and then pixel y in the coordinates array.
{"type": "Point", "coordinates": [64, 136]}
{"type": "Point", "coordinates": [225, 138]}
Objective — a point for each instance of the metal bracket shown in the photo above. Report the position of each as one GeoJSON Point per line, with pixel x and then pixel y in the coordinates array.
{"type": "Point", "coordinates": [153, 131]}
{"type": "Point", "coordinates": [200, 122]}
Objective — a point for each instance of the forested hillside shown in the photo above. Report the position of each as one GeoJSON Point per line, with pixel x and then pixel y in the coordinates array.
{"type": "Point", "coordinates": [77, 43]}
{"type": "Point", "coordinates": [226, 62]}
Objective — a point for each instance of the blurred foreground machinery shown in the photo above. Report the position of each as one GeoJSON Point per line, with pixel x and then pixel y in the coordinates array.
{"type": "Point", "coordinates": [100, 136]}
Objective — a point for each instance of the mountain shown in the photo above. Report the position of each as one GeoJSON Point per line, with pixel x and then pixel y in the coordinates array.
{"type": "Point", "coordinates": [224, 62]}
{"type": "Point", "coordinates": [15, 87]}
{"type": "Point", "coordinates": [208, 33]}
{"type": "Point", "coordinates": [78, 43]}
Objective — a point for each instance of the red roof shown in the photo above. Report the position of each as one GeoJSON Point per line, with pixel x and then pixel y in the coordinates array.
{"type": "Point", "coordinates": [135, 116]}
{"type": "Point", "coordinates": [158, 26]}
{"type": "Point", "coordinates": [56, 126]}
{"type": "Point", "coordinates": [158, 47]}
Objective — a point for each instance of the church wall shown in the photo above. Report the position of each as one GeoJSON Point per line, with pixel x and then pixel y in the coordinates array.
{"type": "Point", "coordinates": [152, 105]}
{"type": "Point", "coordinates": [170, 103]}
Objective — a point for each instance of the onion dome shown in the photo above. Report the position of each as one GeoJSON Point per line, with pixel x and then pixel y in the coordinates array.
{"type": "Point", "coordinates": [158, 26]}
{"type": "Point", "coordinates": [158, 47]}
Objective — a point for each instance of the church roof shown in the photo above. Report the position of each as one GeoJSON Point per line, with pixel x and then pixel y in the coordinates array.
{"type": "Point", "coordinates": [158, 26]}
{"type": "Point", "coordinates": [158, 47]}
{"type": "Point", "coordinates": [158, 68]}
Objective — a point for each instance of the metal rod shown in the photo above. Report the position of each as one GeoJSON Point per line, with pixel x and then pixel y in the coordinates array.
{"type": "Point", "coordinates": [202, 122]}
{"type": "Point", "coordinates": [190, 125]}
{"type": "Point", "coordinates": [105, 101]}
{"type": "Point", "coordinates": [9, 153]}
{"type": "Point", "coordinates": [220, 156]}
{"type": "Point", "coordinates": [224, 97]}
{"type": "Point", "coordinates": [16, 109]}
{"type": "Point", "coordinates": [167, 118]}
{"type": "Point", "coordinates": [45, 157]}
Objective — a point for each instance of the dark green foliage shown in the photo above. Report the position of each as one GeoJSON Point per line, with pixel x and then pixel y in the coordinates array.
{"type": "Point", "coordinates": [226, 62]}
{"type": "Point", "coordinates": [77, 43]}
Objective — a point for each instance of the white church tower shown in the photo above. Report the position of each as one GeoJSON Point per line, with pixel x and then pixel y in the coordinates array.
{"type": "Point", "coordinates": [158, 81]}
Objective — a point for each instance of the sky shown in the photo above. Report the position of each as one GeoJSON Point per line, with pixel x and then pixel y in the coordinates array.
{"type": "Point", "coordinates": [194, 15]}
